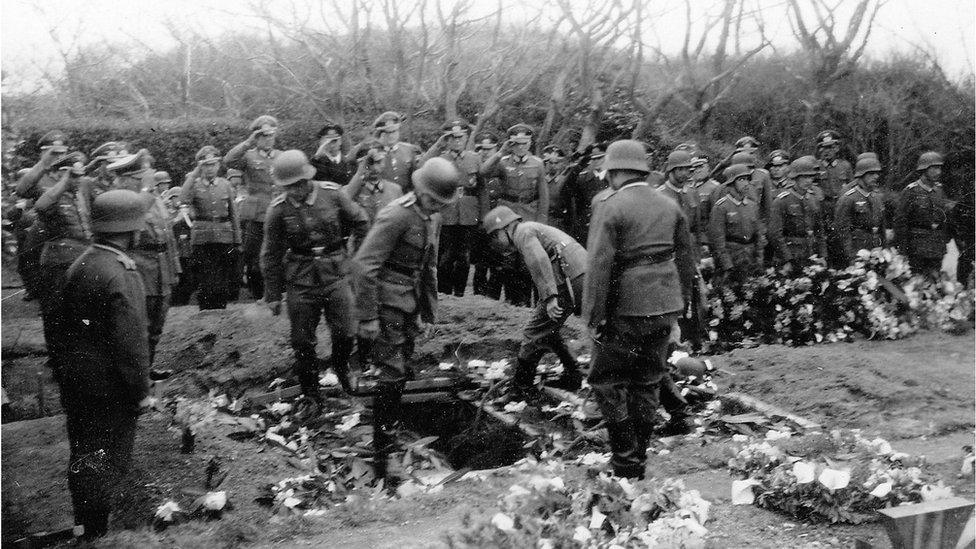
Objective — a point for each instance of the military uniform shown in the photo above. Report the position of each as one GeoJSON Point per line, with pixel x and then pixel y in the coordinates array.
{"type": "Point", "coordinates": [372, 195]}
{"type": "Point", "coordinates": [459, 221]}
{"type": "Point", "coordinates": [921, 230]}
{"type": "Point", "coordinates": [707, 192]}
{"type": "Point", "coordinates": [578, 193]}
{"type": "Point", "coordinates": [522, 184]}
{"type": "Point", "coordinates": [834, 176]}
{"type": "Point", "coordinates": [400, 162]}
{"type": "Point", "coordinates": [691, 204]}
{"type": "Point", "coordinates": [640, 267]}
{"type": "Point", "coordinates": [189, 279]}
{"type": "Point", "coordinates": [796, 227]}
{"type": "Point", "coordinates": [103, 378]}
{"type": "Point", "coordinates": [737, 237]}
{"type": "Point", "coordinates": [859, 219]}
{"type": "Point", "coordinates": [215, 236]}
{"type": "Point", "coordinates": [31, 186]}
{"type": "Point", "coordinates": [337, 170]}
{"type": "Point", "coordinates": [305, 254]}
{"type": "Point", "coordinates": [259, 186]}
{"type": "Point", "coordinates": [156, 255]}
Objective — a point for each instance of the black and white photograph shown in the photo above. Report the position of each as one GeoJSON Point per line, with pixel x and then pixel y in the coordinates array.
{"type": "Point", "coordinates": [459, 274]}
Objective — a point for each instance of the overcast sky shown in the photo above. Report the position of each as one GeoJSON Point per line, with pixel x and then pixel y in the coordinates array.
{"type": "Point", "coordinates": [944, 27]}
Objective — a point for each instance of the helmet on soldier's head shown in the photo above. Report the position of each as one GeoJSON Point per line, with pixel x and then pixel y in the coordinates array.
{"type": "Point", "coordinates": [626, 154]}
{"type": "Point", "coordinates": [804, 166]}
{"type": "Point", "coordinates": [863, 155]}
{"type": "Point", "coordinates": [266, 123]}
{"type": "Point", "coordinates": [54, 140]}
{"type": "Point", "coordinates": [208, 155]}
{"type": "Point", "coordinates": [744, 157]}
{"type": "Point", "coordinates": [736, 171]}
{"type": "Point", "coordinates": [171, 193]}
{"type": "Point", "coordinates": [866, 165]}
{"type": "Point", "coordinates": [438, 178]}
{"type": "Point", "coordinates": [499, 218]}
{"type": "Point", "coordinates": [928, 159]}
{"type": "Point", "coordinates": [550, 151]}
{"type": "Point", "coordinates": [117, 211]}
{"type": "Point", "coordinates": [162, 177]}
{"type": "Point", "coordinates": [290, 167]}
{"type": "Point", "coordinates": [233, 174]}
{"type": "Point", "coordinates": [778, 157]}
{"type": "Point", "coordinates": [678, 159]}
{"type": "Point", "coordinates": [746, 142]}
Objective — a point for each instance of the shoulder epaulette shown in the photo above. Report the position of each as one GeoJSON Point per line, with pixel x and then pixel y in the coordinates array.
{"type": "Point", "coordinates": [125, 260]}
{"type": "Point", "coordinates": [852, 190]}
{"type": "Point", "coordinates": [506, 156]}
{"type": "Point", "coordinates": [278, 200]}
{"type": "Point", "coordinates": [329, 185]}
{"type": "Point", "coordinates": [407, 200]}
{"type": "Point", "coordinates": [782, 195]}
{"type": "Point", "coordinates": [605, 194]}
{"type": "Point", "coordinates": [721, 200]}
{"type": "Point", "coordinates": [912, 185]}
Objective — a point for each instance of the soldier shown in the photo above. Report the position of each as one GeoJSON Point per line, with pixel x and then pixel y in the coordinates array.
{"type": "Point", "coordinates": [401, 158]}
{"type": "Point", "coordinates": [706, 188]}
{"type": "Point", "coordinates": [835, 173]}
{"type": "Point", "coordinates": [744, 144]}
{"type": "Point", "coordinates": [396, 290]}
{"type": "Point", "coordinates": [735, 232]}
{"type": "Point", "coordinates": [760, 185]}
{"type": "Point", "coordinates": [208, 201]}
{"type": "Point", "coordinates": [920, 218]}
{"type": "Point", "coordinates": [163, 181]}
{"type": "Point", "coordinates": [853, 183]}
{"type": "Point", "coordinates": [64, 216]}
{"type": "Point", "coordinates": [328, 161]}
{"type": "Point", "coordinates": [459, 220]}
{"type": "Point", "coordinates": [678, 171]}
{"type": "Point", "coordinates": [796, 224]}
{"type": "Point", "coordinates": [31, 186]}
{"type": "Point", "coordinates": [487, 281]}
{"type": "Point", "coordinates": [306, 229]}
{"type": "Point", "coordinates": [523, 188]}
{"type": "Point", "coordinates": [779, 169]}
{"type": "Point", "coordinates": [254, 157]}
{"type": "Point", "coordinates": [100, 157]}
{"type": "Point", "coordinates": [581, 187]}
{"type": "Point", "coordinates": [189, 280]}
{"type": "Point", "coordinates": [859, 216]}
{"type": "Point", "coordinates": [155, 252]}
{"type": "Point", "coordinates": [366, 188]}
{"type": "Point", "coordinates": [557, 264]}
{"type": "Point", "coordinates": [639, 275]}
{"type": "Point", "coordinates": [104, 379]}
{"type": "Point", "coordinates": [554, 158]}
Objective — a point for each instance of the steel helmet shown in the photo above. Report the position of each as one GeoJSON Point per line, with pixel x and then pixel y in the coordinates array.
{"type": "Point", "coordinates": [162, 177]}
{"type": "Point", "coordinates": [499, 218]}
{"type": "Point", "coordinates": [804, 166]}
{"type": "Point", "coordinates": [928, 159]}
{"type": "Point", "coordinates": [746, 142]}
{"type": "Point", "coordinates": [117, 211]}
{"type": "Point", "coordinates": [736, 171]}
{"type": "Point", "coordinates": [866, 165]}
{"type": "Point", "coordinates": [437, 178]}
{"type": "Point", "coordinates": [678, 159]}
{"type": "Point", "coordinates": [744, 157]}
{"type": "Point", "coordinates": [290, 167]}
{"type": "Point", "coordinates": [873, 155]}
{"type": "Point", "coordinates": [626, 154]}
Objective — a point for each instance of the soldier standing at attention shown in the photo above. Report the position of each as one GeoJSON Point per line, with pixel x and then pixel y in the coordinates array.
{"type": "Point", "coordinates": [459, 220]}
{"type": "Point", "coordinates": [523, 188]}
{"type": "Point", "coordinates": [401, 158]}
{"type": "Point", "coordinates": [557, 264]}
{"type": "Point", "coordinates": [396, 290]}
{"type": "Point", "coordinates": [305, 255]}
{"type": "Point", "coordinates": [486, 144]}
{"type": "Point", "coordinates": [554, 159]}
{"type": "Point", "coordinates": [328, 161]}
{"type": "Point", "coordinates": [189, 279]}
{"type": "Point", "coordinates": [705, 187]}
{"type": "Point", "coordinates": [779, 169]}
{"type": "Point", "coordinates": [366, 188]}
{"type": "Point", "coordinates": [678, 172]}
{"type": "Point", "coordinates": [208, 201]}
{"type": "Point", "coordinates": [921, 216]}
{"type": "Point", "coordinates": [860, 217]}
{"type": "Point", "coordinates": [254, 157]}
{"type": "Point", "coordinates": [580, 188]}
{"type": "Point", "coordinates": [735, 232]}
{"type": "Point", "coordinates": [104, 379]}
{"type": "Point", "coordinates": [639, 277]}
{"type": "Point", "coordinates": [835, 173]}
{"type": "Point", "coordinates": [796, 224]}
{"type": "Point", "coordinates": [155, 252]}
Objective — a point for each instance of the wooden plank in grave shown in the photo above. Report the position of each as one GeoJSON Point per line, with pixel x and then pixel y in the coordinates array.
{"type": "Point", "coordinates": [944, 523]}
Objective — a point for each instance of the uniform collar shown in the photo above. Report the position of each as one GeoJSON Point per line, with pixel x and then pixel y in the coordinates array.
{"type": "Point", "coordinates": [735, 200]}
{"type": "Point", "coordinates": [862, 190]}
{"type": "Point", "coordinates": [927, 188]}
{"type": "Point", "coordinates": [635, 183]}
{"type": "Point", "coordinates": [310, 199]}
{"type": "Point", "coordinates": [673, 187]}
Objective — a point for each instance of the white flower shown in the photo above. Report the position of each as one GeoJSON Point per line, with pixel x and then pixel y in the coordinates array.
{"type": "Point", "coordinates": [773, 434]}
{"type": "Point", "coordinates": [742, 491]}
{"type": "Point", "coordinates": [544, 543]}
{"type": "Point", "coordinates": [933, 492]}
{"type": "Point", "coordinates": [835, 479]}
{"type": "Point", "coordinates": [166, 511]}
{"type": "Point", "coordinates": [739, 438]}
{"type": "Point", "coordinates": [214, 501]}
{"type": "Point", "coordinates": [503, 522]}
{"type": "Point", "coordinates": [329, 380]}
{"type": "Point", "coordinates": [348, 422]}
{"type": "Point", "coordinates": [692, 502]}
{"type": "Point", "coordinates": [881, 490]}
{"type": "Point", "coordinates": [541, 483]}
{"type": "Point", "coordinates": [597, 518]}
{"type": "Point", "coordinates": [477, 363]}
{"type": "Point", "coordinates": [581, 534]}
{"type": "Point", "coordinates": [280, 408]}
{"type": "Point", "coordinates": [291, 502]}
{"type": "Point", "coordinates": [516, 407]}
{"type": "Point", "coordinates": [804, 472]}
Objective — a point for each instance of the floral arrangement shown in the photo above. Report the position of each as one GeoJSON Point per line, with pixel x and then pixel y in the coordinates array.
{"type": "Point", "coordinates": [598, 511]}
{"type": "Point", "coordinates": [840, 477]}
{"type": "Point", "coordinates": [876, 296]}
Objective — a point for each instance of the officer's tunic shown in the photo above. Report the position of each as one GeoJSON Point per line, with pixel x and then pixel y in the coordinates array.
{"type": "Point", "coordinates": [796, 227]}
{"type": "Point", "coordinates": [578, 193]}
{"type": "Point", "coordinates": [215, 235]}
{"type": "Point", "coordinates": [458, 223]}
{"type": "Point", "coordinates": [687, 198]}
{"type": "Point", "coordinates": [400, 162]}
{"type": "Point", "coordinates": [640, 267]}
{"type": "Point", "coordinates": [522, 184]}
{"type": "Point", "coordinates": [258, 183]}
{"type": "Point", "coordinates": [31, 186]}
{"type": "Point", "coordinates": [707, 195]}
{"type": "Point", "coordinates": [372, 194]}
{"type": "Point", "coordinates": [737, 236]}
{"type": "Point", "coordinates": [859, 219]}
{"type": "Point", "coordinates": [305, 254]}
{"type": "Point", "coordinates": [834, 175]}
{"type": "Point", "coordinates": [337, 170]}
{"type": "Point", "coordinates": [104, 376]}
{"type": "Point", "coordinates": [920, 224]}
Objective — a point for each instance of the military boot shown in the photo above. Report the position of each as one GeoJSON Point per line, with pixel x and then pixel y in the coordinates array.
{"type": "Point", "coordinates": [628, 456]}
{"type": "Point", "coordinates": [522, 386]}
{"type": "Point", "coordinates": [571, 379]}
{"type": "Point", "coordinates": [307, 372]}
{"type": "Point", "coordinates": [341, 349]}
{"type": "Point", "coordinates": [386, 414]}
{"type": "Point", "coordinates": [681, 422]}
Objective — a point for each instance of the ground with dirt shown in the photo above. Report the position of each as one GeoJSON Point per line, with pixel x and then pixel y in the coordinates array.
{"type": "Point", "coordinates": [916, 392]}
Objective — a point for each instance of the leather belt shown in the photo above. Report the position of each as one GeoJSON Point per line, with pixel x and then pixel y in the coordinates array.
{"type": "Point", "coordinates": [651, 259]}
{"type": "Point", "coordinates": [320, 251]}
